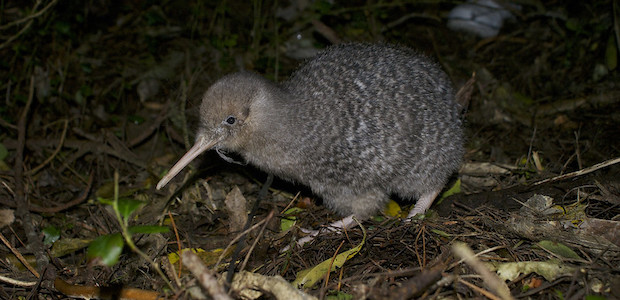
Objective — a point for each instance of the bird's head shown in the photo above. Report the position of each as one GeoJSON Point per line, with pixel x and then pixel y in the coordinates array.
{"type": "Point", "coordinates": [227, 117]}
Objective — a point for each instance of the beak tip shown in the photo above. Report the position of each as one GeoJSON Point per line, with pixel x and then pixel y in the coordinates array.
{"type": "Point", "coordinates": [200, 147]}
{"type": "Point", "coordinates": [160, 184]}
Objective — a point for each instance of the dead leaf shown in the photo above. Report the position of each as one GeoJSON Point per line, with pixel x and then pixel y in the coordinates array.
{"type": "Point", "coordinates": [237, 212]}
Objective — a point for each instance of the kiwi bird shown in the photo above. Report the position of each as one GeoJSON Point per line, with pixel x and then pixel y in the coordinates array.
{"type": "Point", "coordinates": [356, 124]}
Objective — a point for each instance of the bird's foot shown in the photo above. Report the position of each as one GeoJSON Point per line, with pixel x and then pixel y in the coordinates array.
{"type": "Point", "coordinates": [338, 226]}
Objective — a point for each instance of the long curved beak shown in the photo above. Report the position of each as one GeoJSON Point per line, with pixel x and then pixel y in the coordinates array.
{"type": "Point", "coordinates": [201, 146]}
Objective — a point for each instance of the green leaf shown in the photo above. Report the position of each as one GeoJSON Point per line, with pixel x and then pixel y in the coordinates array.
{"type": "Point", "coordinates": [289, 219]}
{"type": "Point", "coordinates": [127, 206]}
{"type": "Point", "coordinates": [106, 201]}
{"type": "Point", "coordinates": [51, 234]}
{"type": "Point", "coordinates": [558, 249]}
{"type": "Point", "coordinates": [454, 189]}
{"type": "Point", "coordinates": [65, 246]}
{"type": "Point", "coordinates": [595, 297]}
{"type": "Point", "coordinates": [148, 229]}
{"type": "Point", "coordinates": [309, 277]}
{"type": "Point", "coordinates": [441, 233]}
{"type": "Point", "coordinates": [106, 248]}
{"type": "Point", "coordinates": [339, 296]}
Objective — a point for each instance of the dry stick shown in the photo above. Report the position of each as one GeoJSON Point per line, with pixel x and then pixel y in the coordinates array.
{"type": "Point", "coordinates": [462, 251]}
{"type": "Point", "coordinates": [529, 151]}
{"type": "Point", "coordinates": [589, 101]}
{"type": "Point", "coordinates": [151, 128]}
{"type": "Point", "coordinates": [19, 256]}
{"type": "Point", "coordinates": [95, 147]}
{"type": "Point", "coordinates": [12, 38]}
{"type": "Point", "coordinates": [32, 16]}
{"type": "Point", "coordinates": [260, 233]}
{"type": "Point", "coordinates": [17, 282]}
{"type": "Point", "coordinates": [25, 28]}
{"type": "Point", "coordinates": [419, 283]}
{"type": "Point", "coordinates": [121, 147]}
{"type": "Point", "coordinates": [581, 172]}
{"type": "Point", "coordinates": [69, 204]}
{"type": "Point", "coordinates": [290, 203]}
{"type": "Point", "coordinates": [237, 238]}
{"type": "Point", "coordinates": [205, 277]}
{"type": "Point", "coordinates": [55, 209]}
{"type": "Point", "coordinates": [7, 124]}
{"type": "Point", "coordinates": [326, 32]}
{"type": "Point", "coordinates": [577, 151]}
{"type": "Point", "coordinates": [331, 264]}
{"type": "Point", "coordinates": [261, 194]}
{"type": "Point", "coordinates": [389, 273]}
{"type": "Point", "coordinates": [477, 254]}
{"type": "Point", "coordinates": [421, 261]}
{"type": "Point", "coordinates": [49, 159]}
{"type": "Point", "coordinates": [170, 271]}
{"type": "Point", "coordinates": [34, 243]}
{"type": "Point", "coordinates": [179, 246]}
{"type": "Point", "coordinates": [405, 18]}
{"type": "Point", "coordinates": [479, 289]}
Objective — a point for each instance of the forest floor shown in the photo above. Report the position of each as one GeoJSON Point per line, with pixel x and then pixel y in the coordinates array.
{"type": "Point", "coordinates": [101, 100]}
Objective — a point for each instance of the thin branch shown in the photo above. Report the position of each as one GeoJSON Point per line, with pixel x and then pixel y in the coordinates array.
{"type": "Point", "coordinates": [30, 17]}
{"type": "Point", "coordinates": [19, 256]}
{"type": "Point", "coordinates": [34, 243]}
{"type": "Point", "coordinates": [581, 172]}
{"type": "Point", "coordinates": [49, 159]}
{"type": "Point", "coordinates": [12, 38]}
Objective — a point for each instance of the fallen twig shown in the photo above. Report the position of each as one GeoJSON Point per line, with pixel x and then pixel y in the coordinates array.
{"type": "Point", "coordinates": [17, 282]}
{"type": "Point", "coordinates": [29, 19]}
{"type": "Point", "coordinates": [462, 251]}
{"type": "Point", "coordinates": [55, 209]}
{"type": "Point", "coordinates": [49, 159]}
{"type": "Point", "coordinates": [83, 146]}
{"type": "Point", "coordinates": [205, 277]}
{"type": "Point", "coordinates": [148, 131]}
{"type": "Point", "coordinates": [581, 172]}
{"type": "Point", "coordinates": [19, 256]}
{"type": "Point", "coordinates": [34, 243]}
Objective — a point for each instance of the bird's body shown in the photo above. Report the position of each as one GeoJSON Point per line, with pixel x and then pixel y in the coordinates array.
{"type": "Point", "coordinates": [356, 123]}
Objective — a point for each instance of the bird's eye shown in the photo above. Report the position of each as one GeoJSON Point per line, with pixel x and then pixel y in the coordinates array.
{"type": "Point", "coordinates": [230, 120]}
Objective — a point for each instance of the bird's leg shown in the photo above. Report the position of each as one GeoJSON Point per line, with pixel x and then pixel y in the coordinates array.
{"type": "Point", "coordinates": [423, 203]}
{"type": "Point", "coordinates": [359, 203]}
